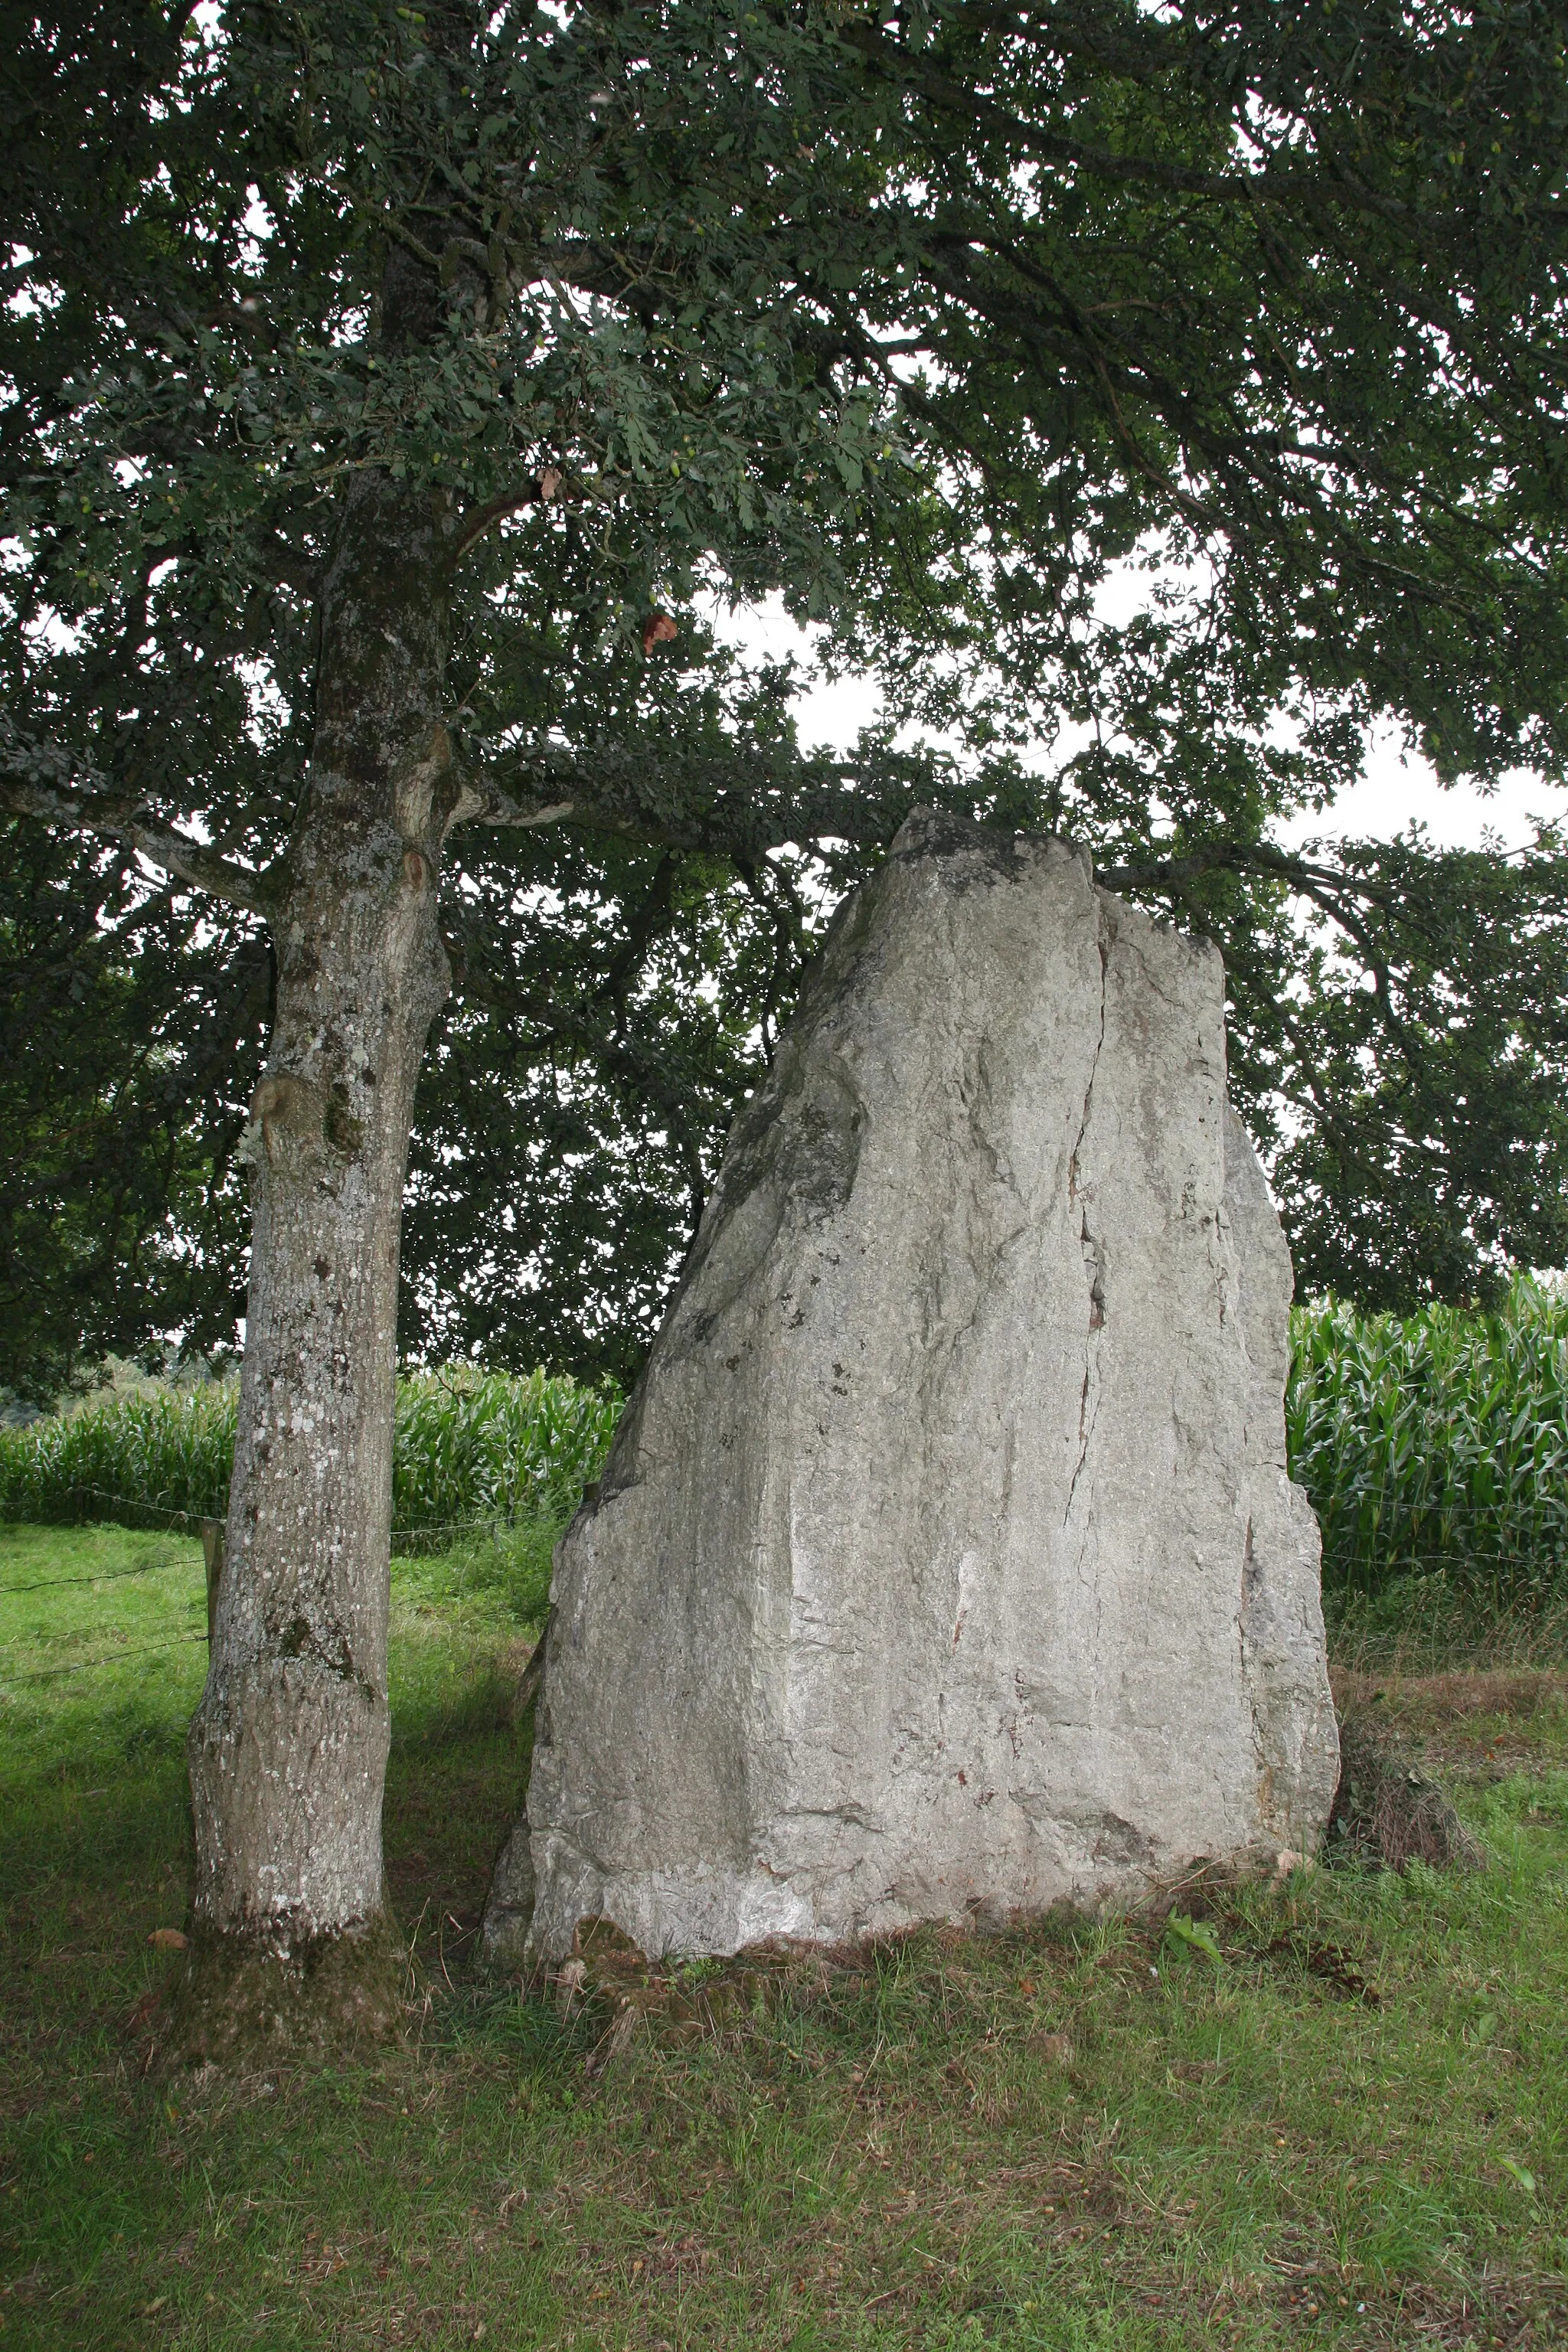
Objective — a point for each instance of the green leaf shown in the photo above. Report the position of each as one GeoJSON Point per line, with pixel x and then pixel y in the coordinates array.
{"type": "Point", "coordinates": [1195, 1933]}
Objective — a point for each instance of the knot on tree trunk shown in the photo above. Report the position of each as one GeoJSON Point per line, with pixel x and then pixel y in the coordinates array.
{"type": "Point", "coordinates": [299, 1129]}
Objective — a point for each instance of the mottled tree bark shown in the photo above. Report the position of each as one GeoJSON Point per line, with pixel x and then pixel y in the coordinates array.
{"type": "Point", "coordinates": [287, 1752]}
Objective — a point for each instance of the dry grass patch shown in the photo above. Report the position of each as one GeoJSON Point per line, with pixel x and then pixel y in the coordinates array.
{"type": "Point", "coordinates": [1477, 1721]}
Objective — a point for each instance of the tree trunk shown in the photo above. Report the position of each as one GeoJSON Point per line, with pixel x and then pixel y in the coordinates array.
{"type": "Point", "coordinates": [291, 1939]}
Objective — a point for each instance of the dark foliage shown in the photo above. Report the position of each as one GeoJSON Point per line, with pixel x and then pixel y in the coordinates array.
{"type": "Point", "coordinates": [927, 319]}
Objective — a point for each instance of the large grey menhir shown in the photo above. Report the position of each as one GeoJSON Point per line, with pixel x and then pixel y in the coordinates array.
{"type": "Point", "coordinates": [947, 1563]}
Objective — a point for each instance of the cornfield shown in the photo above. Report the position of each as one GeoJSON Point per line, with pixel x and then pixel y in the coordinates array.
{"type": "Point", "coordinates": [140, 1456]}
{"type": "Point", "coordinates": [486, 1445]}
{"type": "Point", "coordinates": [1436, 1444]}
{"type": "Point", "coordinates": [470, 1447]}
{"type": "Point", "coordinates": [1432, 1445]}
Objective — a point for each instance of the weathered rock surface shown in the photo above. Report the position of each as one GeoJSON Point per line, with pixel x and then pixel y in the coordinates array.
{"type": "Point", "coordinates": [946, 1563]}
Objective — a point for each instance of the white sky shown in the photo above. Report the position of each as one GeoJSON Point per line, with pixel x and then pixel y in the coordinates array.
{"type": "Point", "coordinates": [1394, 787]}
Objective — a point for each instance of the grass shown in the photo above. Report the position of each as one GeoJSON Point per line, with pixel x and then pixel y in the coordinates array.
{"type": "Point", "coordinates": [1427, 1621]}
{"type": "Point", "coordinates": [1082, 2138]}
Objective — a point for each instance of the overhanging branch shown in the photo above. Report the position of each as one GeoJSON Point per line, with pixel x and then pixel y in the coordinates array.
{"type": "Point", "coordinates": [747, 800]}
{"type": "Point", "coordinates": [40, 779]}
{"type": "Point", "coordinates": [740, 802]}
{"type": "Point", "coordinates": [1258, 858]}
{"type": "Point", "coordinates": [1272, 185]}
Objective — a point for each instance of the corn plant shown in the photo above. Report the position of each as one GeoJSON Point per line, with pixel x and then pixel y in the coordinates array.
{"type": "Point", "coordinates": [139, 1459]}
{"type": "Point", "coordinates": [470, 1447]}
{"type": "Point", "coordinates": [474, 1445]}
{"type": "Point", "coordinates": [1436, 1443]}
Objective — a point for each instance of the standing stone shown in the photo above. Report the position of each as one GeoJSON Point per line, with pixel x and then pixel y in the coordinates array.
{"type": "Point", "coordinates": [946, 1564]}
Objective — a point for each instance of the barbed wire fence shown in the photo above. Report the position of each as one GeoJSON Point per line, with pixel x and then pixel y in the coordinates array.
{"type": "Point", "coordinates": [134, 1511]}
{"type": "Point", "coordinates": [406, 1542]}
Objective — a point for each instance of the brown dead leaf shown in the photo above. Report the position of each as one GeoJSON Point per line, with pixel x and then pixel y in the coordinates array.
{"type": "Point", "coordinates": [658, 629]}
{"type": "Point", "coordinates": [168, 1939]}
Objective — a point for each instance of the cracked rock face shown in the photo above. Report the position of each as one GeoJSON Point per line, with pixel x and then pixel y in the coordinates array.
{"type": "Point", "coordinates": [946, 1564]}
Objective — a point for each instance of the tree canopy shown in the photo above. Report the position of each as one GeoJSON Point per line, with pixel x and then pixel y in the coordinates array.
{"type": "Point", "coordinates": [927, 316]}
{"type": "Point", "coordinates": [393, 396]}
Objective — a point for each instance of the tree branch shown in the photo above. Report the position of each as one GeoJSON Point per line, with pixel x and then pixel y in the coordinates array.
{"type": "Point", "coordinates": [1269, 185]}
{"type": "Point", "coordinates": [747, 800]}
{"type": "Point", "coordinates": [41, 780]}
{"type": "Point", "coordinates": [544, 489]}
{"type": "Point", "coordinates": [738, 802]}
{"type": "Point", "coordinates": [1241, 857]}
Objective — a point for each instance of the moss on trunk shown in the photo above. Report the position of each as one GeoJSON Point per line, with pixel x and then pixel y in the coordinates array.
{"type": "Point", "coordinates": [238, 2002]}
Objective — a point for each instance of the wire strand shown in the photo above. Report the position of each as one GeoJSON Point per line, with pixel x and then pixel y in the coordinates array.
{"type": "Point", "coordinates": [152, 1567]}
{"type": "Point", "coordinates": [85, 1666]}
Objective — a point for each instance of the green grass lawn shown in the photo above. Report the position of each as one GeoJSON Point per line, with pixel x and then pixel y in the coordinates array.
{"type": "Point", "coordinates": [1348, 2129]}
